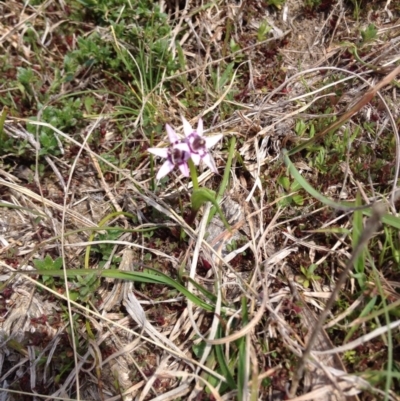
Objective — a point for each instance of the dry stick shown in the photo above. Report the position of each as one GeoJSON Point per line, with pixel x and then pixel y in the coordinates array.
{"type": "Point", "coordinates": [371, 226]}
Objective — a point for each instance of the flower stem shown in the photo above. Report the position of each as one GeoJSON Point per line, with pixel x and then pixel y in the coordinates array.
{"type": "Point", "coordinates": [193, 174]}
{"type": "Point", "coordinates": [225, 179]}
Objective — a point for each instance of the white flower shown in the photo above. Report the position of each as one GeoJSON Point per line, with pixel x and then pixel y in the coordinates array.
{"type": "Point", "coordinates": [174, 155]}
{"type": "Point", "coordinates": [198, 145]}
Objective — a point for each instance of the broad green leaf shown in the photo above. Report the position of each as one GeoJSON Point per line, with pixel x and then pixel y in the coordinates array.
{"type": "Point", "coordinates": [150, 275]}
{"type": "Point", "coordinates": [387, 218]}
{"type": "Point", "coordinates": [367, 309]}
{"type": "Point", "coordinates": [242, 369]}
{"type": "Point", "coordinates": [223, 365]}
{"type": "Point", "coordinates": [208, 294]}
{"type": "Point", "coordinates": [202, 195]}
{"type": "Point", "coordinates": [359, 264]}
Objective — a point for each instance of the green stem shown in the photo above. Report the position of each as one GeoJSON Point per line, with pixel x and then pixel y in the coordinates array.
{"type": "Point", "coordinates": [225, 178]}
{"type": "Point", "coordinates": [2, 121]}
{"type": "Point", "coordinates": [153, 181]}
{"type": "Point", "coordinates": [193, 174]}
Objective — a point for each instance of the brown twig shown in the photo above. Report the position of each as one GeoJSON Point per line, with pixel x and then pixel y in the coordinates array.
{"type": "Point", "coordinates": [366, 98]}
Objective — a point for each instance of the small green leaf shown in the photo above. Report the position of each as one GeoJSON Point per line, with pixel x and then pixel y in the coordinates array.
{"type": "Point", "coordinates": [89, 102]}
{"type": "Point", "coordinates": [73, 295]}
{"type": "Point", "coordinates": [226, 76]}
{"type": "Point", "coordinates": [234, 46]}
{"type": "Point", "coordinates": [312, 268]}
{"type": "Point", "coordinates": [298, 200]}
{"type": "Point", "coordinates": [284, 181]}
{"type": "Point", "coordinates": [276, 3]}
{"type": "Point", "coordinates": [262, 31]}
{"type": "Point", "coordinates": [295, 186]}
{"type": "Point", "coordinates": [57, 264]}
{"type": "Point", "coordinates": [48, 264]}
{"type": "Point", "coordinates": [25, 76]}
{"type": "Point", "coordinates": [300, 127]}
{"type": "Point", "coordinates": [369, 34]}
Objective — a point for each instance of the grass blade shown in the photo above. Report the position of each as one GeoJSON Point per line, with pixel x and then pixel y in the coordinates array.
{"type": "Point", "coordinates": [150, 276]}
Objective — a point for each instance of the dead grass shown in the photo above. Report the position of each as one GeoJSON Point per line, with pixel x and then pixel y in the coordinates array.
{"type": "Point", "coordinates": [110, 339]}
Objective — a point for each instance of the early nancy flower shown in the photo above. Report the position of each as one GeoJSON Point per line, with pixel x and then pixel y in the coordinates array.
{"type": "Point", "coordinates": [174, 155]}
{"type": "Point", "coordinates": [198, 145]}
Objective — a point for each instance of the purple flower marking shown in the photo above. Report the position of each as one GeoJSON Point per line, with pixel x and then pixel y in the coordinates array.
{"type": "Point", "coordinates": [198, 145]}
{"type": "Point", "coordinates": [174, 155]}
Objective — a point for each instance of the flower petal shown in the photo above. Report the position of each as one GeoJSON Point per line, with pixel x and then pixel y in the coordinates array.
{"type": "Point", "coordinates": [200, 127]}
{"type": "Point", "coordinates": [196, 158]}
{"type": "Point", "coordinates": [165, 169]}
{"type": "Point", "coordinates": [171, 134]}
{"type": "Point", "coordinates": [187, 128]}
{"type": "Point", "coordinates": [183, 146]}
{"type": "Point", "coordinates": [184, 169]}
{"type": "Point", "coordinates": [209, 161]}
{"type": "Point", "coordinates": [162, 152]}
{"type": "Point", "coordinates": [212, 140]}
